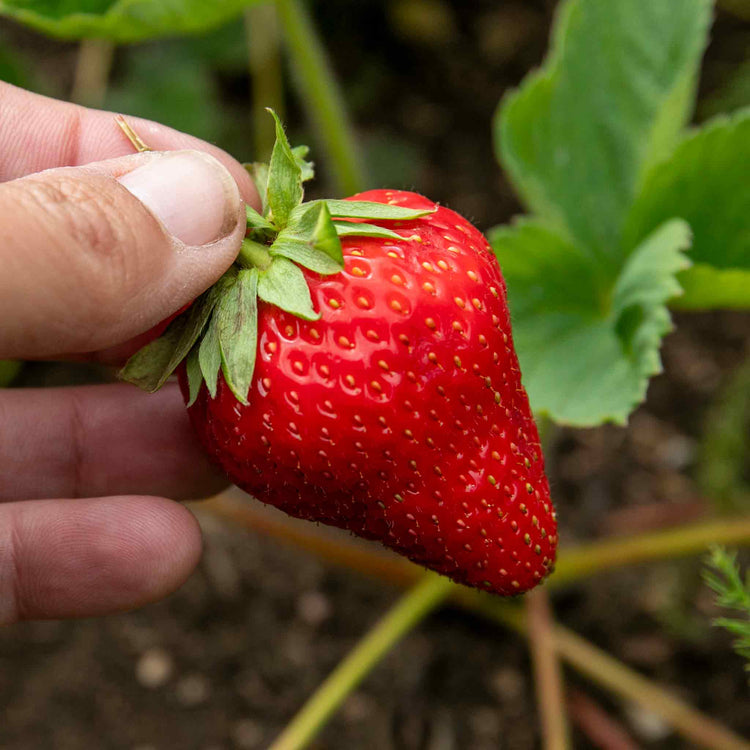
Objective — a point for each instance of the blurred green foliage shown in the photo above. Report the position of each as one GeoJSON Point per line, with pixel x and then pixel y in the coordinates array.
{"type": "Point", "coordinates": [723, 472]}
{"type": "Point", "coordinates": [596, 145]}
{"type": "Point", "coordinates": [722, 573]}
{"type": "Point", "coordinates": [122, 21]}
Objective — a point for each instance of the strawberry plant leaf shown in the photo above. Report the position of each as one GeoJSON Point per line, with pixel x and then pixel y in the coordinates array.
{"type": "Point", "coordinates": [705, 181]}
{"type": "Point", "coordinates": [284, 285]}
{"type": "Point", "coordinates": [284, 189]}
{"type": "Point", "coordinates": [610, 100]}
{"type": "Point", "coordinates": [150, 367]}
{"type": "Point", "coordinates": [603, 338]}
{"type": "Point", "coordinates": [360, 229]}
{"type": "Point", "coordinates": [237, 324]}
{"type": "Point", "coordinates": [122, 21]}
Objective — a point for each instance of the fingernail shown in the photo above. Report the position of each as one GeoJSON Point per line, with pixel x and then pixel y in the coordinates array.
{"type": "Point", "coordinates": [190, 192]}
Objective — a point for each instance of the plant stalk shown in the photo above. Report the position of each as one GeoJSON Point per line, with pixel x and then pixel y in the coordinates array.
{"type": "Point", "coordinates": [586, 658]}
{"type": "Point", "coordinates": [254, 255]}
{"type": "Point", "coordinates": [318, 88]}
{"type": "Point", "coordinates": [411, 609]}
{"type": "Point", "coordinates": [266, 74]}
{"type": "Point", "coordinates": [548, 678]}
{"type": "Point", "coordinates": [624, 682]}
{"type": "Point", "coordinates": [684, 540]}
{"type": "Point", "coordinates": [572, 565]}
{"type": "Point", "coordinates": [91, 75]}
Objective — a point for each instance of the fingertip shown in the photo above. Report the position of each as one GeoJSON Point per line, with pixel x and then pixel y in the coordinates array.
{"type": "Point", "coordinates": [84, 558]}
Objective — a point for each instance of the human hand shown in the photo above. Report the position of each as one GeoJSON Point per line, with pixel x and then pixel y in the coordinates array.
{"type": "Point", "coordinates": [91, 257]}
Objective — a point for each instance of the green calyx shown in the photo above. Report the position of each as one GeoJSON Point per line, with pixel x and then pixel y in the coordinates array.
{"type": "Point", "coordinates": [218, 332]}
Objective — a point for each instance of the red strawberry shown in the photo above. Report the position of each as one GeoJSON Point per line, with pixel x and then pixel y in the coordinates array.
{"type": "Point", "coordinates": [400, 414]}
{"type": "Point", "coordinates": [384, 398]}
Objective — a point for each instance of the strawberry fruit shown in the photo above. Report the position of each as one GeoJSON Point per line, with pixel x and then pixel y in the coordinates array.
{"type": "Point", "coordinates": [376, 388]}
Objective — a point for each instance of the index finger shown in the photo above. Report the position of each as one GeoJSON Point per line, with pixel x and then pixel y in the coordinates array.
{"type": "Point", "coordinates": [38, 133]}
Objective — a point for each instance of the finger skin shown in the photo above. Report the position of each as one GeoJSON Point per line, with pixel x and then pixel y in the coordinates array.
{"type": "Point", "coordinates": [90, 557]}
{"type": "Point", "coordinates": [86, 265]}
{"type": "Point", "coordinates": [100, 440]}
{"type": "Point", "coordinates": [38, 133]}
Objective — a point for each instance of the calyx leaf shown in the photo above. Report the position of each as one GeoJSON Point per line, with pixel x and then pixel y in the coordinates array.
{"type": "Point", "coordinates": [360, 229]}
{"type": "Point", "coordinates": [374, 211]}
{"type": "Point", "coordinates": [219, 333]}
{"type": "Point", "coordinates": [284, 178]}
{"type": "Point", "coordinates": [237, 327]}
{"type": "Point", "coordinates": [284, 285]}
{"type": "Point", "coordinates": [307, 167]}
{"type": "Point", "coordinates": [150, 367]}
{"type": "Point", "coordinates": [313, 226]}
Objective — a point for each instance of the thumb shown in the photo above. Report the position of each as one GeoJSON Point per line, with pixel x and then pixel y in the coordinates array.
{"type": "Point", "coordinates": [92, 256]}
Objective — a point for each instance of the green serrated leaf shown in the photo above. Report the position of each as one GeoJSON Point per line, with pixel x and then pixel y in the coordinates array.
{"type": "Point", "coordinates": [150, 367]}
{"type": "Point", "coordinates": [194, 377]}
{"type": "Point", "coordinates": [284, 285]}
{"type": "Point", "coordinates": [237, 323]}
{"type": "Point", "coordinates": [611, 99]}
{"type": "Point", "coordinates": [647, 282]}
{"type": "Point", "coordinates": [602, 338]}
{"type": "Point", "coordinates": [705, 181]}
{"type": "Point", "coordinates": [258, 172]}
{"type": "Point", "coordinates": [360, 229]}
{"type": "Point", "coordinates": [374, 211]}
{"type": "Point", "coordinates": [307, 167]}
{"type": "Point", "coordinates": [311, 240]}
{"type": "Point", "coordinates": [284, 178]}
{"type": "Point", "coordinates": [122, 21]}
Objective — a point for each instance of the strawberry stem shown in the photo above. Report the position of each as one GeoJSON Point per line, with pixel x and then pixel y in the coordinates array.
{"type": "Point", "coordinates": [548, 678]}
{"type": "Point", "coordinates": [583, 656]}
{"type": "Point", "coordinates": [613, 675]}
{"type": "Point", "coordinates": [254, 255]}
{"type": "Point", "coordinates": [409, 611]}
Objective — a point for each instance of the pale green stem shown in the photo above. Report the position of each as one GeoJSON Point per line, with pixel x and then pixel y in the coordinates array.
{"type": "Point", "coordinates": [615, 676]}
{"type": "Point", "coordinates": [572, 565]}
{"type": "Point", "coordinates": [266, 74]}
{"type": "Point", "coordinates": [254, 255]}
{"type": "Point", "coordinates": [550, 694]}
{"type": "Point", "coordinates": [91, 76]}
{"type": "Point", "coordinates": [548, 677]}
{"type": "Point", "coordinates": [613, 553]}
{"type": "Point", "coordinates": [319, 90]}
{"type": "Point", "coordinates": [411, 609]}
{"type": "Point", "coordinates": [583, 656]}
